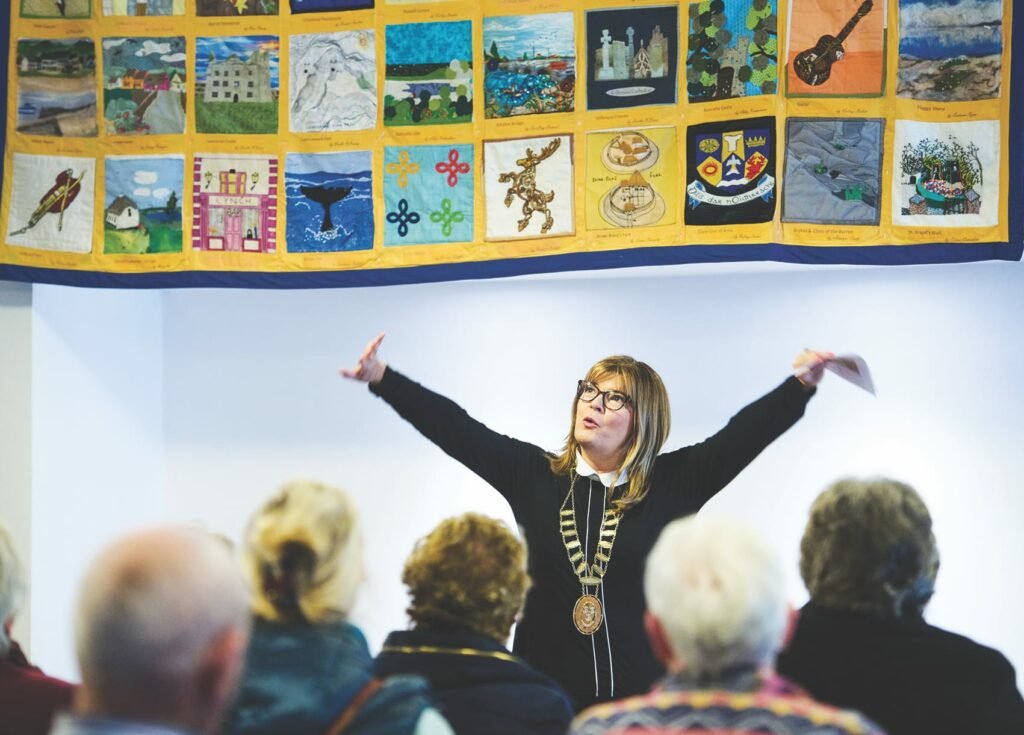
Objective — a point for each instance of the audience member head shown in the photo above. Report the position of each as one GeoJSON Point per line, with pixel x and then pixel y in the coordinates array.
{"type": "Point", "coordinates": [12, 589]}
{"type": "Point", "coordinates": [469, 572]}
{"type": "Point", "coordinates": [162, 629]}
{"type": "Point", "coordinates": [715, 598]}
{"type": "Point", "coordinates": [869, 547]}
{"type": "Point", "coordinates": [303, 555]}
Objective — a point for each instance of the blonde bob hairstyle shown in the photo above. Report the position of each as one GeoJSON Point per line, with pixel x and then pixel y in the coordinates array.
{"type": "Point", "coordinates": [469, 572]}
{"type": "Point", "coordinates": [869, 547]}
{"type": "Point", "coordinates": [649, 428]}
{"type": "Point", "coordinates": [302, 555]}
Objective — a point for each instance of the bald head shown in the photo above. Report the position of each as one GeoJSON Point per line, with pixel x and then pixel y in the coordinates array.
{"type": "Point", "coordinates": [161, 629]}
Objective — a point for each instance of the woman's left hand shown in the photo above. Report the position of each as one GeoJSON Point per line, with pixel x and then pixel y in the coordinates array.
{"type": "Point", "coordinates": [809, 366]}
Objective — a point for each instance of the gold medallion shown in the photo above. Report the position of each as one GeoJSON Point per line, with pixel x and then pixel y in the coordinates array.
{"type": "Point", "coordinates": [587, 614]}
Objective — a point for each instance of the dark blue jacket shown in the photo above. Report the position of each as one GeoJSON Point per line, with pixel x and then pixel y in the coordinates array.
{"type": "Point", "coordinates": [478, 685]}
{"type": "Point", "coordinates": [298, 678]}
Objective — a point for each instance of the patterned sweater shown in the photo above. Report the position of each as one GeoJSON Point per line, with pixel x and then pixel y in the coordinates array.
{"type": "Point", "coordinates": [735, 704]}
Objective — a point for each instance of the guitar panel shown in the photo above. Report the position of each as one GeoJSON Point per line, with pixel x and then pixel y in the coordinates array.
{"type": "Point", "coordinates": [833, 63]}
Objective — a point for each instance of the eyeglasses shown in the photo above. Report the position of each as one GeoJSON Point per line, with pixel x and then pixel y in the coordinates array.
{"type": "Point", "coordinates": [613, 399]}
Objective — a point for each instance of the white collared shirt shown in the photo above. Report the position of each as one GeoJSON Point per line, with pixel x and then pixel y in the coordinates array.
{"type": "Point", "coordinates": [583, 469]}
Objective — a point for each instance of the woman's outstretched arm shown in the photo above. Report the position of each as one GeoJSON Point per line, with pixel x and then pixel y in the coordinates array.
{"type": "Point", "coordinates": [703, 469]}
{"type": "Point", "coordinates": [505, 463]}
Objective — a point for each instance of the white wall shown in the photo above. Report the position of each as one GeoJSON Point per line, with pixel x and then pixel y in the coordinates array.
{"type": "Point", "coordinates": [15, 433]}
{"type": "Point", "coordinates": [250, 399]}
{"type": "Point", "coordinates": [97, 447]}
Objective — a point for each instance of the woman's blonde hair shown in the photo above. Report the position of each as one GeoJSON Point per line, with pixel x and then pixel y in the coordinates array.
{"type": "Point", "coordinates": [869, 546]}
{"type": "Point", "coordinates": [651, 422]}
{"type": "Point", "coordinates": [469, 572]}
{"type": "Point", "coordinates": [303, 555]}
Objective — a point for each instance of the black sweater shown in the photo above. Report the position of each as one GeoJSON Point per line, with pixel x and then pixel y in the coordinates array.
{"type": "Point", "coordinates": [681, 482]}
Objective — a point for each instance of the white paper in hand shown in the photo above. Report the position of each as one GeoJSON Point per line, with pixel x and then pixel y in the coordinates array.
{"type": "Point", "coordinates": [854, 369]}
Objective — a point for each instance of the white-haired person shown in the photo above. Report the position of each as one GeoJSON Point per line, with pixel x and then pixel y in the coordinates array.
{"type": "Point", "coordinates": [308, 669]}
{"type": "Point", "coordinates": [716, 617]}
{"type": "Point", "coordinates": [28, 697]}
{"type": "Point", "coordinates": [467, 582]}
{"type": "Point", "coordinates": [590, 512]}
{"type": "Point", "coordinates": [869, 559]}
{"type": "Point", "coordinates": [161, 633]}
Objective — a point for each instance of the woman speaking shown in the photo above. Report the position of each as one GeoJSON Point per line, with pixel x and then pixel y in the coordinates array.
{"type": "Point", "coordinates": [592, 511]}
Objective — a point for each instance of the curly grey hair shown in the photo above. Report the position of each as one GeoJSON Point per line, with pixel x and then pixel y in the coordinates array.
{"type": "Point", "coordinates": [869, 546]}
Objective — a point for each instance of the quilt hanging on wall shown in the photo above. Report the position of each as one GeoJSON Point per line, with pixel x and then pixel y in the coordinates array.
{"type": "Point", "coordinates": [302, 143]}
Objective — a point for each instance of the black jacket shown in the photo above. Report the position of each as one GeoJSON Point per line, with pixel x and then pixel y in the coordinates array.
{"type": "Point", "coordinates": [908, 676]}
{"type": "Point", "coordinates": [478, 685]}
